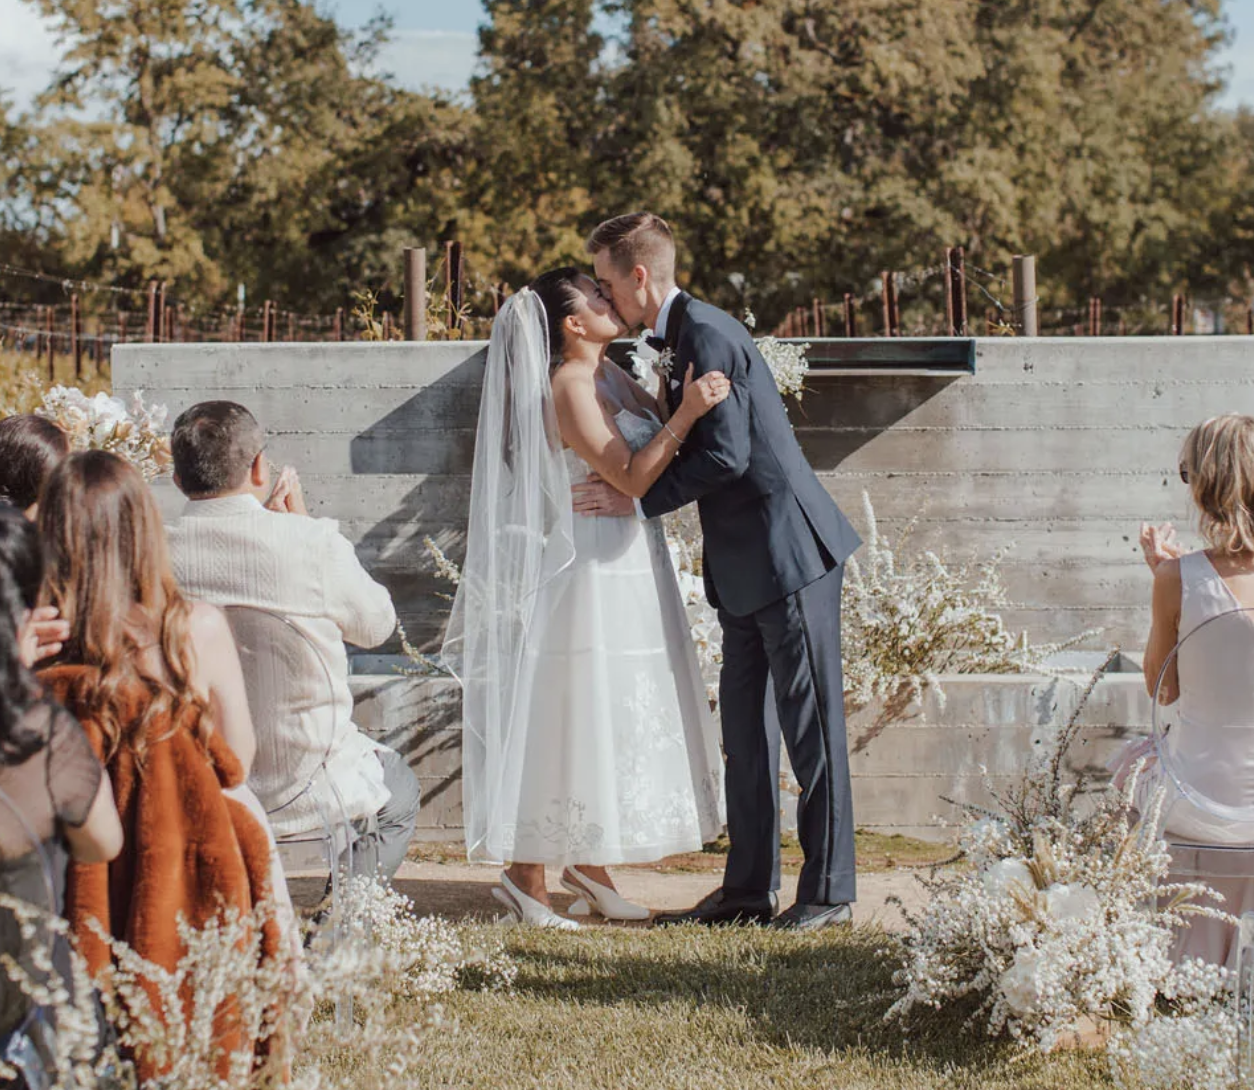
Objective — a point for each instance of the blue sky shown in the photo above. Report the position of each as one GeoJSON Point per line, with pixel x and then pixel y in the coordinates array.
{"type": "Point", "coordinates": [435, 44]}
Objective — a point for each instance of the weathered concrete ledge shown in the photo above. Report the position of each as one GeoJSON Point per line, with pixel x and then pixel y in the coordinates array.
{"type": "Point", "coordinates": [987, 724]}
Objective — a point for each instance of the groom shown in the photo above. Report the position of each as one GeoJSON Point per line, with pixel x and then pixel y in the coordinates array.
{"type": "Point", "coordinates": [775, 546]}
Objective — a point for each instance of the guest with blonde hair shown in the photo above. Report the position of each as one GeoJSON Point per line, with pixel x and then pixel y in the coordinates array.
{"type": "Point", "coordinates": [156, 682]}
{"type": "Point", "coordinates": [1211, 676]}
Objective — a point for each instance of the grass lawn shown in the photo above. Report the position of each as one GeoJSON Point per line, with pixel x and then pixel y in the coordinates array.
{"type": "Point", "coordinates": [725, 1008]}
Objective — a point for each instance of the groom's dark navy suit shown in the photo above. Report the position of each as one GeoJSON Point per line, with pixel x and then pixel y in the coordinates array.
{"type": "Point", "coordinates": [775, 546]}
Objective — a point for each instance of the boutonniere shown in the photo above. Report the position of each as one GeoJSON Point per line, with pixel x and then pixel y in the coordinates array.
{"type": "Point", "coordinates": [647, 357]}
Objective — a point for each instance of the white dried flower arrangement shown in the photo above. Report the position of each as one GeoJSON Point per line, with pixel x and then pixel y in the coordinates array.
{"type": "Point", "coordinates": [906, 622]}
{"type": "Point", "coordinates": [136, 432]}
{"type": "Point", "coordinates": [1063, 918]}
{"type": "Point", "coordinates": [391, 955]}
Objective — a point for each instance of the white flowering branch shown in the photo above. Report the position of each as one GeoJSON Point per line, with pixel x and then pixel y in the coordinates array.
{"type": "Point", "coordinates": [181, 1023]}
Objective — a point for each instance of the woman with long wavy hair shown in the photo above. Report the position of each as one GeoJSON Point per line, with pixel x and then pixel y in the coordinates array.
{"type": "Point", "coordinates": [156, 682]}
{"type": "Point", "coordinates": [52, 789]}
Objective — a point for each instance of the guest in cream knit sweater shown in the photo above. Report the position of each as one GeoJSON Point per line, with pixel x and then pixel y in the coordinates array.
{"type": "Point", "coordinates": [245, 538]}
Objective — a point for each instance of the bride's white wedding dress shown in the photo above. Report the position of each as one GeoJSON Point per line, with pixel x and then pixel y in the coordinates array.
{"type": "Point", "coordinates": [619, 750]}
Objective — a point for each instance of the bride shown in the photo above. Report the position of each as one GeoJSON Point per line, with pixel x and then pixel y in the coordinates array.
{"type": "Point", "coordinates": [588, 740]}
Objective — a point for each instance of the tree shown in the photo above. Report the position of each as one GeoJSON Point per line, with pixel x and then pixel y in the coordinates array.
{"type": "Point", "coordinates": [539, 119]}
{"type": "Point", "coordinates": [202, 144]}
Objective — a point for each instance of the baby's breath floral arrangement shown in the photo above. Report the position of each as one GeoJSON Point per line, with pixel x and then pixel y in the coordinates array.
{"type": "Point", "coordinates": [1064, 918]}
{"type": "Point", "coordinates": [135, 432]}
{"type": "Point", "coordinates": [394, 967]}
{"type": "Point", "coordinates": [906, 622]}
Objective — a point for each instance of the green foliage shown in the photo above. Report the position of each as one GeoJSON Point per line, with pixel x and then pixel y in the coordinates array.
{"type": "Point", "coordinates": [798, 147]}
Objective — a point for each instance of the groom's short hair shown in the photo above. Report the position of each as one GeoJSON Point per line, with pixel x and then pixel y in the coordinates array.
{"type": "Point", "coordinates": [638, 238]}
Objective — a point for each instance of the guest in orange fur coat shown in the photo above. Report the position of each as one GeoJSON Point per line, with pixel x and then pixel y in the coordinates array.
{"type": "Point", "coordinates": [156, 682]}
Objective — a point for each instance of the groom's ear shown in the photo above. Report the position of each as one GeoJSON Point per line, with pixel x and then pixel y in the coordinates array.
{"type": "Point", "coordinates": [640, 274]}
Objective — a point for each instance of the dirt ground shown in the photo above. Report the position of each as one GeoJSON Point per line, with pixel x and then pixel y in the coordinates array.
{"type": "Point", "coordinates": [440, 882]}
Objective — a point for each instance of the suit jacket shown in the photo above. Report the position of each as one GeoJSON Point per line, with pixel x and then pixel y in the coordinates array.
{"type": "Point", "coordinates": [769, 526]}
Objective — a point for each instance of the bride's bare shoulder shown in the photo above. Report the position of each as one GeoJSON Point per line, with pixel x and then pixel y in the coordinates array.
{"type": "Point", "coordinates": [575, 386]}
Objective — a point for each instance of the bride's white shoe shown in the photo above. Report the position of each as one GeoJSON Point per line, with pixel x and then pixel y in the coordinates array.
{"type": "Point", "coordinates": [592, 896]}
{"type": "Point", "coordinates": [527, 910]}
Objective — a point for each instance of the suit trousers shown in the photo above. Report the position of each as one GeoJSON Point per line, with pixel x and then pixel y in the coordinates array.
{"type": "Point", "coordinates": [395, 820]}
{"type": "Point", "coordinates": [795, 642]}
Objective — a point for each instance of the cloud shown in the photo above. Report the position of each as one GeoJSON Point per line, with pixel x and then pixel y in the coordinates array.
{"type": "Point", "coordinates": [28, 52]}
{"type": "Point", "coordinates": [430, 58]}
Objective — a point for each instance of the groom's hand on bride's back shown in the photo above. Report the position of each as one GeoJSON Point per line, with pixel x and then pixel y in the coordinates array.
{"type": "Point", "coordinates": [595, 498]}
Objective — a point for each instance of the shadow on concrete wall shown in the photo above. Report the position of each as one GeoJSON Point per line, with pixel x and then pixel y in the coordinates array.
{"type": "Point", "coordinates": [431, 433]}
{"type": "Point", "coordinates": [431, 436]}
{"type": "Point", "coordinates": [840, 414]}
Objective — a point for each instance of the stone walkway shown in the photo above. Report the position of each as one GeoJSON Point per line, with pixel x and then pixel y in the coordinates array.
{"type": "Point", "coordinates": [460, 890]}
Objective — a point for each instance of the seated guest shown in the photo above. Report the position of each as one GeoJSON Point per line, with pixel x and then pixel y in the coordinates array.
{"type": "Point", "coordinates": [156, 682]}
{"type": "Point", "coordinates": [48, 772]}
{"type": "Point", "coordinates": [1211, 680]}
{"type": "Point", "coordinates": [245, 539]}
{"type": "Point", "coordinates": [30, 448]}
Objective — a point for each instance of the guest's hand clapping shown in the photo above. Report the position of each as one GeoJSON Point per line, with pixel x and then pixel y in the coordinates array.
{"type": "Point", "coordinates": [287, 496]}
{"type": "Point", "coordinates": [1159, 543]}
{"type": "Point", "coordinates": [42, 635]}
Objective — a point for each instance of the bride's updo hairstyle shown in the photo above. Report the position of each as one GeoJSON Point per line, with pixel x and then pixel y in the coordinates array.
{"type": "Point", "coordinates": [558, 290]}
{"type": "Point", "coordinates": [1218, 460]}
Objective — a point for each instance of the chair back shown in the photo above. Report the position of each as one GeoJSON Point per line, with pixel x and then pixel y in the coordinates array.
{"type": "Point", "coordinates": [292, 699]}
{"type": "Point", "coordinates": [1203, 731]}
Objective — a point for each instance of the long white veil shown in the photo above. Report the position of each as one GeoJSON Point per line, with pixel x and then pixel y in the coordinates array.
{"type": "Point", "coordinates": [519, 541]}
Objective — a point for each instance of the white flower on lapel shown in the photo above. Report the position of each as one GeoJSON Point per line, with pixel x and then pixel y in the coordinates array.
{"type": "Point", "coordinates": [645, 359]}
{"type": "Point", "coordinates": [643, 356]}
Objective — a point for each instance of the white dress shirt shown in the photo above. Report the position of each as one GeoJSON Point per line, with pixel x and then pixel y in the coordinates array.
{"type": "Point", "coordinates": [232, 551]}
{"type": "Point", "coordinates": [664, 312]}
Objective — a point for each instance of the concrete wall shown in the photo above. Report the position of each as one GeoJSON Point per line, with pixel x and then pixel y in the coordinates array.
{"type": "Point", "coordinates": [986, 732]}
{"type": "Point", "coordinates": [1060, 446]}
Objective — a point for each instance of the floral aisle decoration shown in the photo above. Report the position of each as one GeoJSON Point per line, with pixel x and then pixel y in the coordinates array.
{"type": "Point", "coordinates": [906, 622]}
{"type": "Point", "coordinates": [135, 432]}
{"type": "Point", "coordinates": [395, 971]}
{"type": "Point", "coordinates": [1064, 918]}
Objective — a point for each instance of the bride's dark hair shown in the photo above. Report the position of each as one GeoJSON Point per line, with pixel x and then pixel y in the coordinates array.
{"type": "Point", "coordinates": [560, 294]}
{"type": "Point", "coordinates": [21, 574]}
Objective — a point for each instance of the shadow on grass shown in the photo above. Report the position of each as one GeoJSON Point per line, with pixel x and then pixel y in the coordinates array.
{"type": "Point", "coordinates": [827, 993]}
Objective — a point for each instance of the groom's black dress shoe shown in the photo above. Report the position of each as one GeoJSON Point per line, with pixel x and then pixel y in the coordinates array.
{"type": "Point", "coordinates": [722, 906]}
{"type": "Point", "coordinates": [813, 917]}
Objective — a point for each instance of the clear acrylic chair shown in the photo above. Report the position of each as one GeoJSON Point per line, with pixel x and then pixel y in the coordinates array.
{"type": "Point", "coordinates": [31, 870]}
{"type": "Point", "coordinates": [1204, 746]}
{"type": "Point", "coordinates": [290, 688]}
